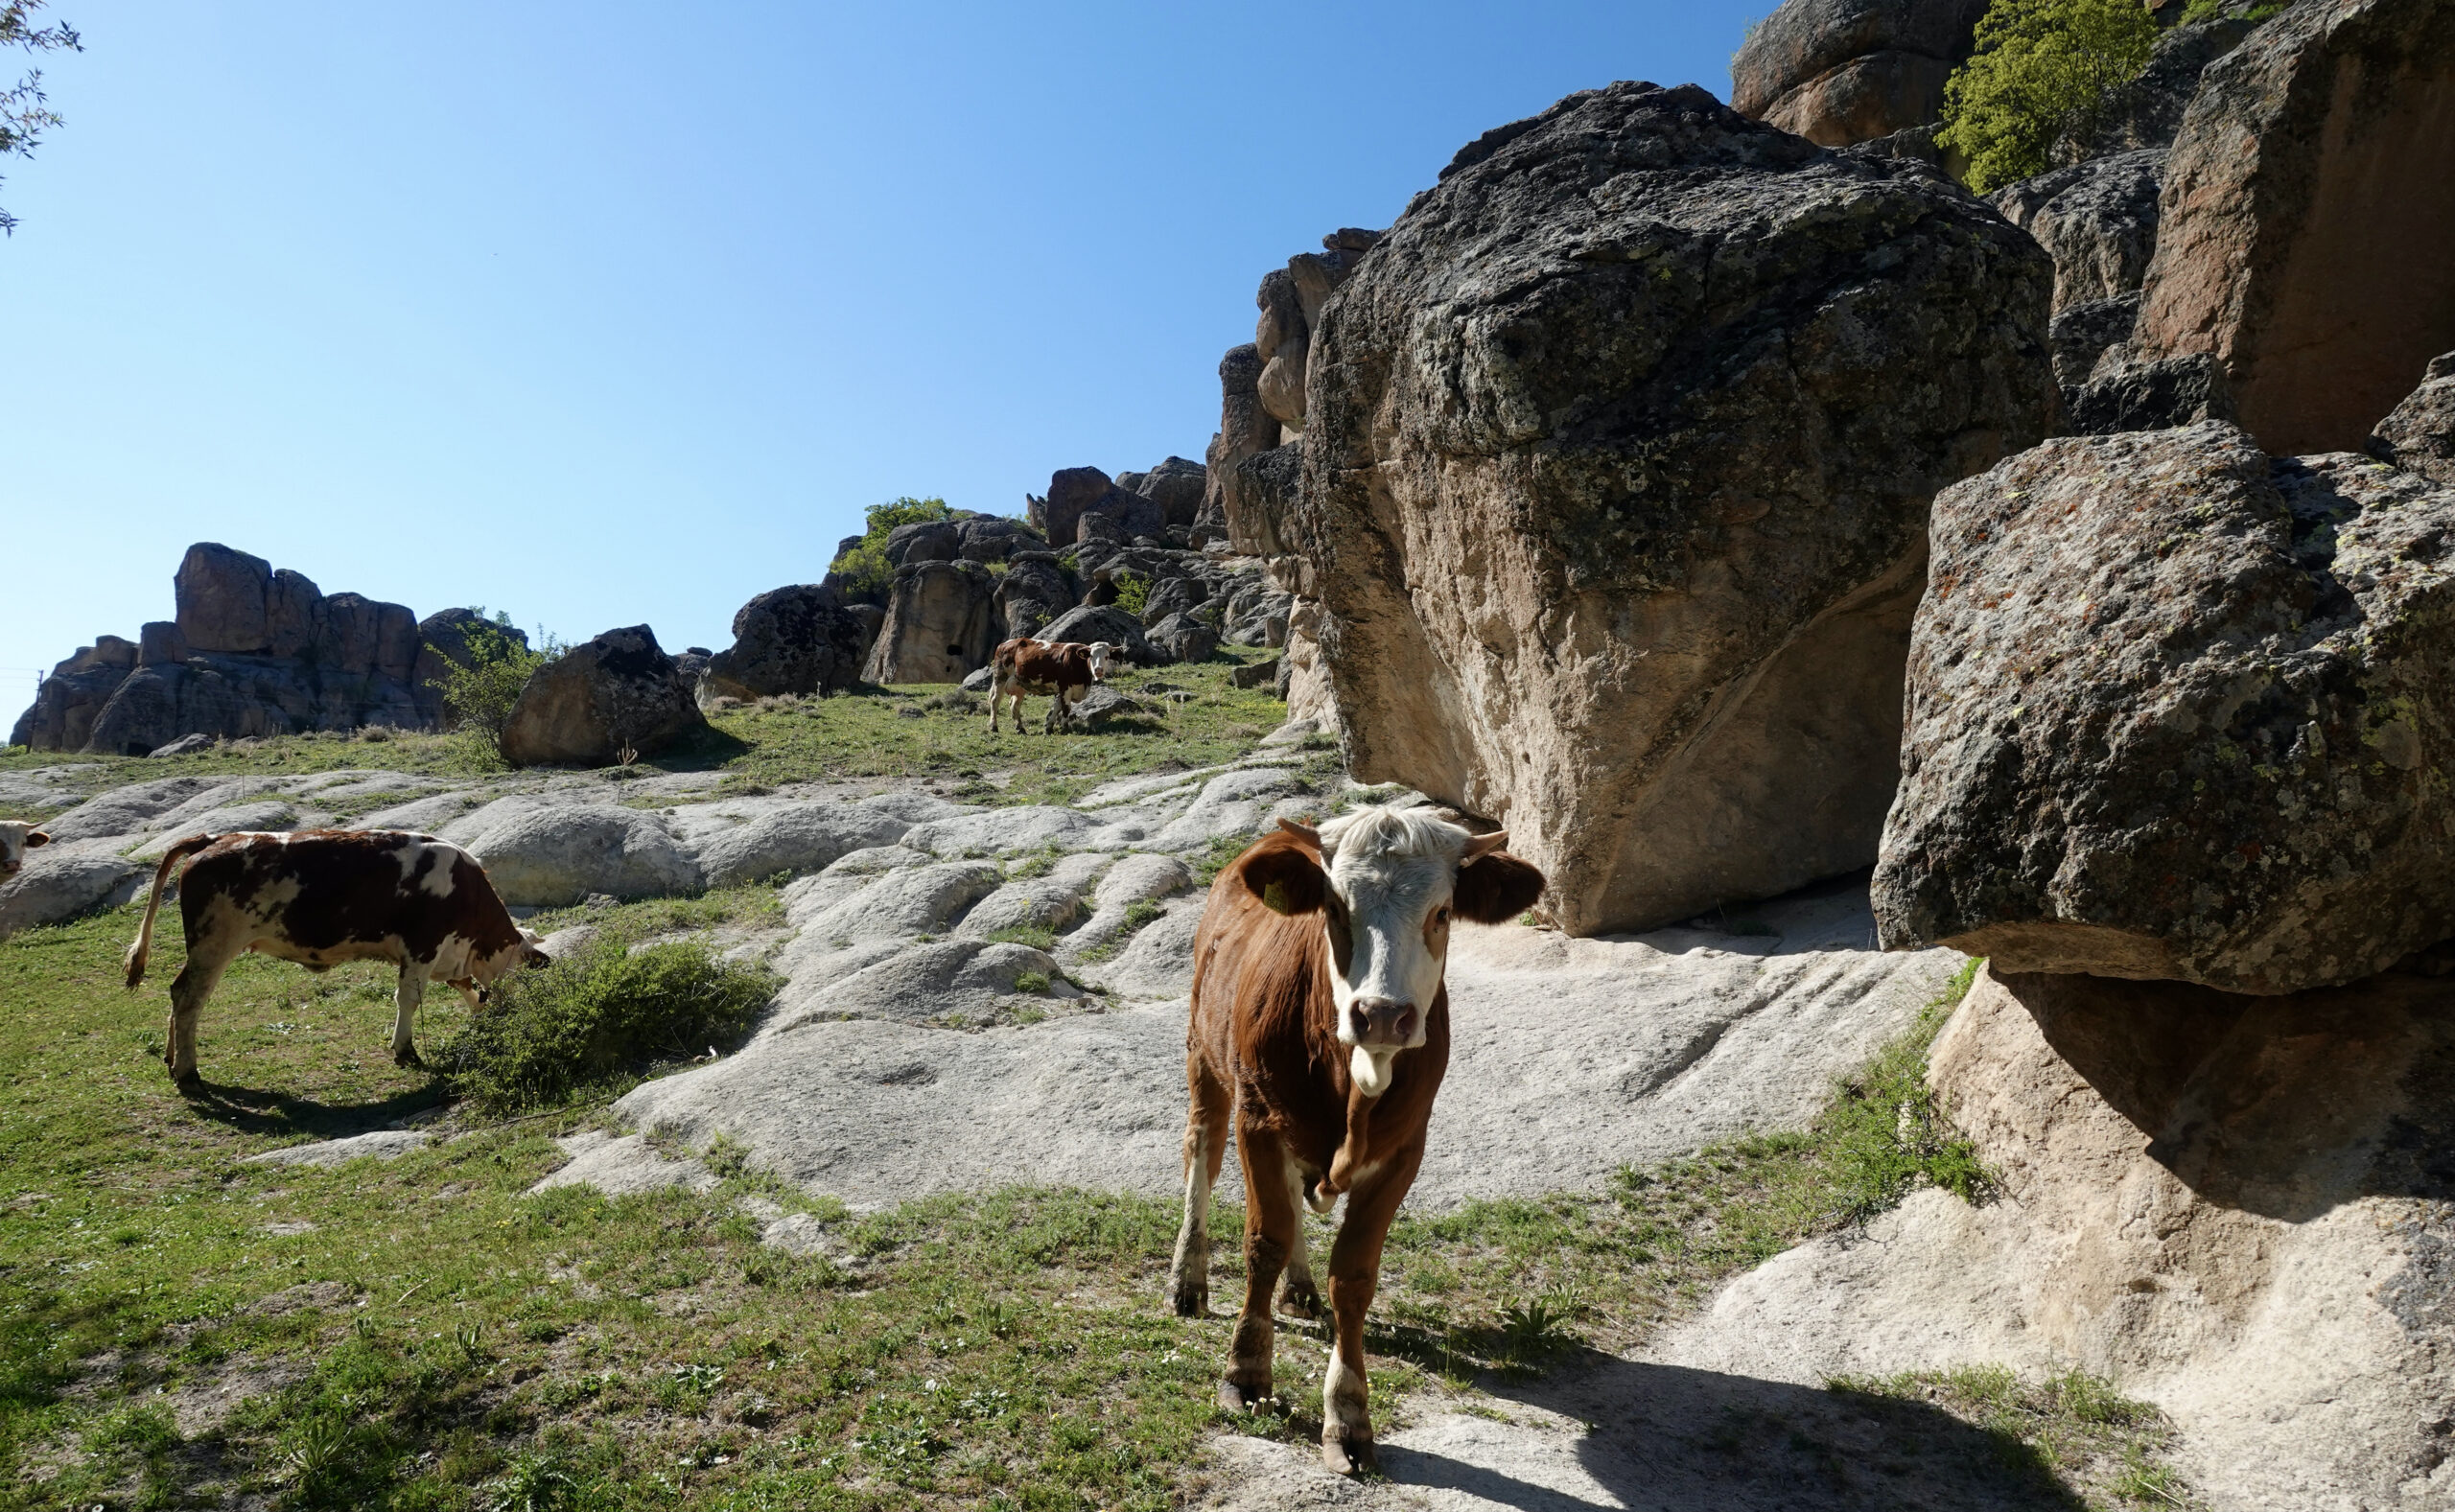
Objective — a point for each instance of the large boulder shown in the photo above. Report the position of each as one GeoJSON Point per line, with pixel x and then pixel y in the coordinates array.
{"type": "Point", "coordinates": [2418, 434]}
{"type": "Point", "coordinates": [2234, 1207]}
{"type": "Point", "coordinates": [797, 640]}
{"type": "Point", "coordinates": [2180, 711]}
{"type": "Point", "coordinates": [615, 692]}
{"type": "Point", "coordinates": [1626, 559]}
{"type": "Point", "coordinates": [1245, 427]}
{"type": "Point", "coordinates": [69, 700]}
{"type": "Point", "coordinates": [59, 883]}
{"type": "Point", "coordinates": [544, 850]}
{"type": "Point", "coordinates": [1176, 485]}
{"type": "Point", "coordinates": [2098, 219]}
{"type": "Point", "coordinates": [1843, 71]}
{"type": "Point", "coordinates": [939, 625]}
{"type": "Point", "coordinates": [1182, 638]}
{"type": "Point", "coordinates": [923, 541]}
{"type": "Point", "coordinates": [1094, 622]}
{"type": "Point", "coordinates": [2309, 207]}
{"type": "Point", "coordinates": [1032, 591]}
{"type": "Point", "coordinates": [222, 599]}
{"type": "Point", "coordinates": [995, 538]}
{"type": "Point", "coordinates": [1071, 490]}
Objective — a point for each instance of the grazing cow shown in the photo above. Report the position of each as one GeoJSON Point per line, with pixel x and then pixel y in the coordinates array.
{"type": "Point", "coordinates": [324, 896]}
{"type": "Point", "coordinates": [1024, 665]}
{"type": "Point", "coordinates": [17, 837]}
{"type": "Point", "coordinates": [1320, 1015]}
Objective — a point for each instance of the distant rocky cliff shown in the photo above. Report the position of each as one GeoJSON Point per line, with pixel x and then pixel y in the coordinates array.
{"type": "Point", "coordinates": [251, 651]}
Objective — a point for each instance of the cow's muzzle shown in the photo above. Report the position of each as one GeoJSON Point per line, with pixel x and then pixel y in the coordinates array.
{"type": "Point", "coordinates": [1380, 1023]}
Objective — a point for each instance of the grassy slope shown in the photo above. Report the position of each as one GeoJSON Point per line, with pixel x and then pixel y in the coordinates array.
{"type": "Point", "coordinates": [179, 1329]}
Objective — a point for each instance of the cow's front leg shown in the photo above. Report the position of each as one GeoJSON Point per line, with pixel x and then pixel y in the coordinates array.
{"type": "Point", "coordinates": [1355, 1274]}
{"type": "Point", "coordinates": [406, 999]}
{"type": "Point", "coordinates": [996, 696]}
{"type": "Point", "coordinates": [1269, 1235]}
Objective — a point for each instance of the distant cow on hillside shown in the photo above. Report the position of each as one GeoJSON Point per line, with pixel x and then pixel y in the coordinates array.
{"type": "Point", "coordinates": [324, 896]}
{"type": "Point", "coordinates": [18, 836]}
{"type": "Point", "coordinates": [1321, 1017]}
{"type": "Point", "coordinates": [1024, 666]}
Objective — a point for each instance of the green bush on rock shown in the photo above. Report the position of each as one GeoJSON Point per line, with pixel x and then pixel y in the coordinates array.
{"type": "Point", "coordinates": [2044, 70]}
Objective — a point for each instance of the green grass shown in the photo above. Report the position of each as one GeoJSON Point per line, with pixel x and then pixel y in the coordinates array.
{"type": "Point", "coordinates": [761, 746]}
{"type": "Point", "coordinates": [2073, 1432]}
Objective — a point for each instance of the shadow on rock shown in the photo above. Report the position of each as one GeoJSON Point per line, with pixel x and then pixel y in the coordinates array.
{"type": "Point", "coordinates": [2285, 1107]}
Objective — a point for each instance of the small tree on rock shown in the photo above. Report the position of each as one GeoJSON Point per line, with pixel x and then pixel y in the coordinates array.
{"type": "Point", "coordinates": [480, 689]}
{"type": "Point", "coordinates": [2044, 71]}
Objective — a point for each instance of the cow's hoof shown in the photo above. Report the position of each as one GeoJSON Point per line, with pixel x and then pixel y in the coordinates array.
{"type": "Point", "coordinates": [1234, 1397]}
{"type": "Point", "coordinates": [190, 1083]}
{"type": "Point", "coordinates": [1190, 1298]}
{"type": "Point", "coordinates": [1303, 1302]}
{"type": "Point", "coordinates": [408, 1061]}
{"type": "Point", "coordinates": [1350, 1455]}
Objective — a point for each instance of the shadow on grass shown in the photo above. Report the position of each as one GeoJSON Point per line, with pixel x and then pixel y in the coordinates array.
{"type": "Point", "coordinates": [257, 1110]}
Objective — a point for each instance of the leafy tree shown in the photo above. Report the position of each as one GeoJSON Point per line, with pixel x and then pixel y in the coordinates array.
{"type": "Point", "coordinates": [862, 572]}
{"type": "Point", "coordinates": [479, 693]}
{"type": "Point", "coordinates": [2044, 70]}
{"type": "Point", "coordinates": [25, 110]}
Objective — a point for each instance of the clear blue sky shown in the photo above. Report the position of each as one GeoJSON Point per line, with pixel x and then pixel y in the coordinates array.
{"type": "Point", "coordinates": [608, 313]}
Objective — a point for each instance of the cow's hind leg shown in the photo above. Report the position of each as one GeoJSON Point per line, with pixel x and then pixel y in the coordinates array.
{"type": "Point", "coordinates": [1206, 1101]}
{"type": "Point", "coordinates": [189, 989]}
{"type": "Point", "coordinates": [1299, 1298]}
{"type": "Point", "coordinates": [406, 999]}
{"type": "Point", "coordinates": [1355, 1274]}
{"type": "Point", "coordinates": [1269, 1235]}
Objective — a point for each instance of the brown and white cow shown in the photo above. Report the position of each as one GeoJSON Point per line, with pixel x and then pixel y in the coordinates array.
{"type": "Point", "coordinates": [17, 836]}
{"type": "Point", "coordinates": [1321, 1016]}
{"type": "Point", "coordinates": [324, 896]}
{"type": "Point", "coordinates": [1024, 665]}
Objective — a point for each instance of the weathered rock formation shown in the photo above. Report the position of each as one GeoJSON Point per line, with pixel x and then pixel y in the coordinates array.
{"type": "Point", "coordinates": [1034, 591]}
{"type": "Point", "coordinates": [1626, 563]}
{"type": "Point", "coordinates": [1843, 71]}
{"type": "Point", "coordinates": [617, 692]}
{"type": "Point", "coordinates": [1176, 485]}
{"type": "Point", "coordinates": [2178, 710]}
{"type": "Point", "coordinates": [2309, 203]}
{"type": "Point", "coordinates": [798, 640]}
{"type": "Point", "coordinates": [2235, 1208]}
{"type": "Point", "coordinates": [2418, 434]}
{"type": "Point", "coordinates": [252, 652]}
{"type": "Point", "coordinates": [939, 625]}
{"type": "Point", "coordinates": [2098, 219]}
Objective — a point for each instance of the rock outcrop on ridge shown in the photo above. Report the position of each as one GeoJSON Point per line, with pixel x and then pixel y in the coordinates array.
{"type": "Point", "coordinates": [1626, 562]}
{"type": "Point", "coordinates": [1843, 71]}
{"type": "Point", "coordinates": [252, 652]}
{"type": "Point", "coordinates": [2179, 709]}
{"type": "Point", "coordinates": [2309, 202]}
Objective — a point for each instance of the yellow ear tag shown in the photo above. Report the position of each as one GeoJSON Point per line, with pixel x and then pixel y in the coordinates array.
{"type": "Point", "coordinates": [1275, 898]}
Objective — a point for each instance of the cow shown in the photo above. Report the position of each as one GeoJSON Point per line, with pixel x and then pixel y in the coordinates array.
{"type": "Point", "coordinates": [17, 836]}
{"type": "Point", "coordinates": [1024, 665]}
{"type": "Point", "coordinates": [324, 896]}
{"type": "Point", "coordinates": [1321, 1018]}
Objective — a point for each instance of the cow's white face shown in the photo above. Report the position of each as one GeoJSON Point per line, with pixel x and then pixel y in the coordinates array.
{"type": "Point", "coordinates": [1102, 656]}
{"type": "Point", "coordinates": [16, 838]}
{"type": "Point", "coordinates": [1386, 883]}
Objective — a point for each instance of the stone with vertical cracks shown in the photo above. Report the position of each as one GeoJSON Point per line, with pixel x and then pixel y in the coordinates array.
{"type": "Point", "coordinates": [2308, 210]}
{"type": "Point", "coordinates": [615, 692]}
{"type": "Point", "coordinates": [1843, 71]}
{"type": "Point", "coordinates": [2177, 710]}
{"type": "Point", "coordinates": [939, 625]}
{"type": "Point", "coordinates": [2098, 219]}
{"type": "Point", "coordinates": [1626, 562]}
{"type": "Point", "coordinates": [223, 598]}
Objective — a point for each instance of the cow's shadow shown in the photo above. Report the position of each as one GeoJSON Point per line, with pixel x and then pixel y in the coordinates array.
{"type": "Point", "coordinates": [268, 1110]}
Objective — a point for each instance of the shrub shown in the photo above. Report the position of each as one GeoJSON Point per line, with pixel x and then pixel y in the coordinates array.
{"type": "Point", "coordinates": [862, 572]}
{"type": "Point", "coordinates": [598, 1016]}
{"type": "Point", "coordinates": [1133, 591]}
{"type": "Point", "coordinates": [479, 693]}
{"type": "Point", "coordinates": [2043, 71]}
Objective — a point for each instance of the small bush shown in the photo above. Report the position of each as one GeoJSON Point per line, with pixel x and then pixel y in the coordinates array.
{"type": "Point", "coordinates": [862, 572]}
{"type": "Point", "coordinates": [1133, 592]}
{"type": "Point", "coordinates": [2043, 71]}
{"type": "Point", "coordinates": [599, 1017]}
{"type": "Point", "coordinates": [480, 693]}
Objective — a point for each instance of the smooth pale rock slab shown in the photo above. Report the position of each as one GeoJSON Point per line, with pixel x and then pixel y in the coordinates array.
{"type": "Point", "coordinates": [745, 840]}
{"type": "Point", "coordinates": [1569, 1058]}
{"type": "Point", "coordinates": [547, 851]}
{"type": "Point", "coordinates": [2178, 708]}
{"type": "Point", "coordinates": [56, 885]}
{"type": "Point", "coordinates": [143, 807]}
{"type": "Point", "coordinates": [949, 979]}
{"type": "Point", "coordinates": [271, 814]}
{"type": "Point", "coordinates": [383, 1144]}
{"type": "Point", "coordinates": [424, 815]}
{"type": "Point", "coordinates": [624, 1166]}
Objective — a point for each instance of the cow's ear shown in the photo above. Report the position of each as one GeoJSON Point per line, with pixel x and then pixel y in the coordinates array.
{"type": "Point", "coordinates": [1495, 887]}
{"type": "Point", "coordinates": [1285, 873]}
{"type": "Point", "coordinates": [35, 837]}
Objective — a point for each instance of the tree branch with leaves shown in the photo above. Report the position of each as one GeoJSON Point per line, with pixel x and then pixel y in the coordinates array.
{"type": "Point", "coordinates": [25, 110]}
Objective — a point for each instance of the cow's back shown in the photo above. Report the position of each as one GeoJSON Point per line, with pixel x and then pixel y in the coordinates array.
{"type": "Point", "coordinates": [319, 889]}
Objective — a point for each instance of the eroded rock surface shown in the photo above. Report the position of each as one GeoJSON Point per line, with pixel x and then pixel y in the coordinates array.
{"type": "Point", "coordinates": [796, 639]}
{"type": "Point", "coordinates": [2178, 710]}
{"type": "Point", "coordinates": [2418, 434]}
{"type": "Point", "coordinates": [1630, 565]}
{"type": "Point", "coordinates": [615, 692]}
{"type": "Point", "coordinates": [1843, 71]}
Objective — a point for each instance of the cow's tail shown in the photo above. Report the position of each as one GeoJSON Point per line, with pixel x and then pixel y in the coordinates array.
{"type": "Point", "coordinates": [142, 948]}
